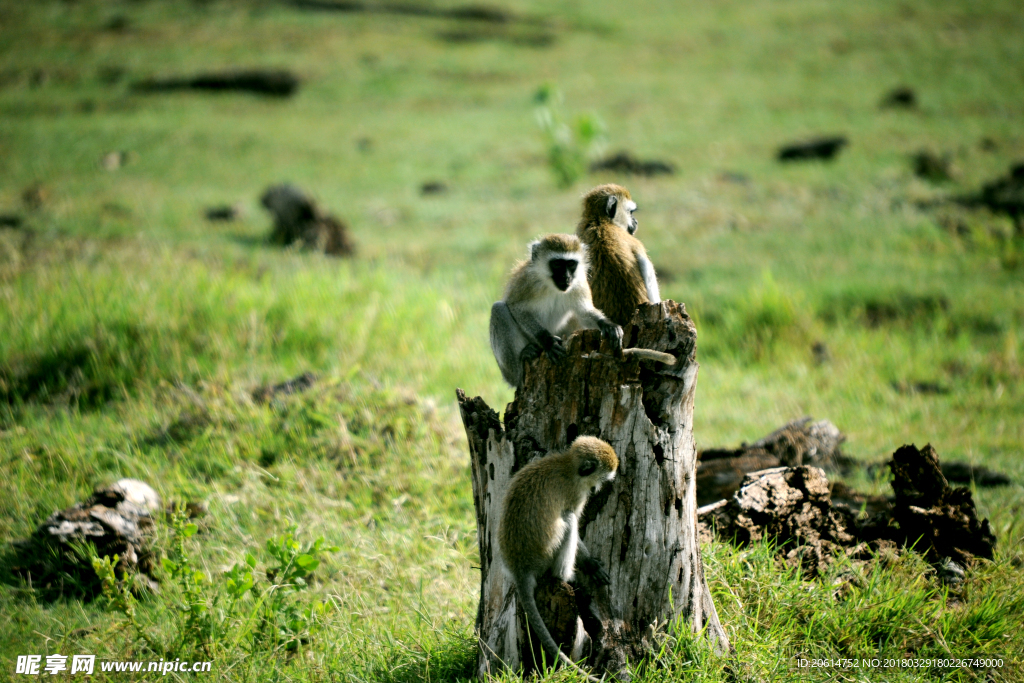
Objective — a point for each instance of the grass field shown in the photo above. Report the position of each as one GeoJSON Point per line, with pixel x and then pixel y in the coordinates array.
{"type": "Point", "coordinates": [133, 331]}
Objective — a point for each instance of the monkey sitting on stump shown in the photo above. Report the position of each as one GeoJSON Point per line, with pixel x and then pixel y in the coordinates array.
{"type": "Point", "coordinates": [546, 296]}
{"type": "Point", "coordinates": [621, 276]}
{"type": "Point", "coordinates": [539, 527]}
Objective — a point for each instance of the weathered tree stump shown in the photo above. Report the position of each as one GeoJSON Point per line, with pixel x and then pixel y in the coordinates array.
{"type": "Point", "coordinates": [642, 527]}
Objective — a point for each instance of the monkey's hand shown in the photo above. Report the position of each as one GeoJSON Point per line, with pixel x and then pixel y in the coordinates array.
{"type": "Point", "coordinates": [530, 352]}
{"type": "Point", "coordinates": [613, 333]}
{"type": "Point", "coordinates": [593, 568]}
{"type": "Point", "coordinates": [552, 344]}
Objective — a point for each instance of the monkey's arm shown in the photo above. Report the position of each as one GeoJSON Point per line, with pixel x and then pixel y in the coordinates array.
{"type": "Point", "coordinates": [592, 319]}
{"type": "Point", "coordinates": [650, 279]}
{"type": "Point", "coordinates": [510, 344]}
{"type": "Point", "coordinates": [532, 328]}
{"type": "Point", "coordinates": [590, 565]}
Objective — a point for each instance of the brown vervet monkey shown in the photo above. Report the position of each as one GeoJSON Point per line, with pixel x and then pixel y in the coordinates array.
{"type": "Point", "coordinates": [546, 296]}
{"type": "Point", "coordinates": [539, 528]}
{"type": "Point", "coordinates": [621, 276]}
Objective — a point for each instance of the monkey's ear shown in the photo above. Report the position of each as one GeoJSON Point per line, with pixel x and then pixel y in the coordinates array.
{"type": "Point", "coordinates": [613, 203]}
{"type": "Point", "coordinates": [533, 249]}
{"type": "Point", "coordinates": [587, 468]}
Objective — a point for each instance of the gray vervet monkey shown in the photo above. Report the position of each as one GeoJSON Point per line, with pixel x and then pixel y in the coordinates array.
{"type": "Point", "coordinates": [548, 296]}
{"type": "Point", "coordinates": [539, 528]}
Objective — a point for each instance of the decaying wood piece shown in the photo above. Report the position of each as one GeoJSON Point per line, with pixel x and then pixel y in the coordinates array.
{"type": "Point", "coordinates": [720, 471]}
{"type": "Point", "coordinates": [642, 527]}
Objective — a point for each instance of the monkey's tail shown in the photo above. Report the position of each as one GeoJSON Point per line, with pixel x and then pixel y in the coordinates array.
{"type": "Point", "coordinates": [525, 589]}
{"type": "Point", "coordinates": [651, 354]}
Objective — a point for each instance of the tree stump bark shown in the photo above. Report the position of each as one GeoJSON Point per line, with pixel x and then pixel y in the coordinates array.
{"type": "Point", "coordinates": [642, 526]}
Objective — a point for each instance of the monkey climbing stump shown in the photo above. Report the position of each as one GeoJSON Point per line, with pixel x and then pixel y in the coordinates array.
{"type": "Point", "coordinates": [642, 526]}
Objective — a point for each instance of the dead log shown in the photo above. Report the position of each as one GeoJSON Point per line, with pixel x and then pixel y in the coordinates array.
{"type": "Point", "coordinates": [801, 442]}
{"type": "Point", "coordinates": [642, 527]}
{"type": "Point", "coordinates": [298, 218]}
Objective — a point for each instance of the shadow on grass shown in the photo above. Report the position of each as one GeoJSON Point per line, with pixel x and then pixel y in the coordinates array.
{"type": "Point", "coordinates": [45, 573]}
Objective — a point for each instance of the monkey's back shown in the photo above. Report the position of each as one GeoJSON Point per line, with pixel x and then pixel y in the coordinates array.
{"type": "Point", "coordinates": [531, 526]}
{"type": "Point", "coordinates": [616, 283]}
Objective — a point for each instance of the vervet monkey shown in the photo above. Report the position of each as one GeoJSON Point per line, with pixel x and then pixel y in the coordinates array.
{"type": "Point", "coordinates": [546, 296]}
{"type": "Point", "coordinates": [539, 528]}
{"type": "Point", "coordinates": [621, 276]}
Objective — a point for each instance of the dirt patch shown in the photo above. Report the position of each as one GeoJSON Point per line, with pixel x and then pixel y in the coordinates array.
{"type": "Point", "coordinates": [186, 427]}
{"type": "Point", "coordinates": [293, 386]}
{"type": "Point", "coordinates": [272, 83]}
{"type": "Point", "coordinates": [936, 168]}
{"type": "Point", "coordinates": [1003, 195]}
{"type": "Point", "coordinates": [921, 387]}
{"type": "Point", "coordinates": [821, 149]}
{"type": "Point", "coordinates": [515, 34]}
{"type": "Point", "coordinates": [482, 13]}
{"type": "Point", "coordinates": [624, 162]}
{"type": "Point", "coordinates": [477, 22]}
{"type": "Point", "coordinates": [116, 520]}
{"type": "Point", "coordinates": [298, 219]}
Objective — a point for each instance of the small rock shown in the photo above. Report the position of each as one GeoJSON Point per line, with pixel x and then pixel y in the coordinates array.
{"type": "Point", "coordinates": [821, 353]}
{"type": "Point", "coordinates": [114, 160]}
{"type": "Point", "coordinates": [223, 213]}
{"type": "Point", "coordinates": [136, 492]}
{"type": "Point", "coordinates": [902, 97]}
{"type": "Point", "coordinates": [949, 572]}
{"type": "Point", "coordinates": [433, 187]}
{"type": "Point", "coordinates": [118, 23]}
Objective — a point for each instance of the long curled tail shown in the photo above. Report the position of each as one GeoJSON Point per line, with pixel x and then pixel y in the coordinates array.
{"type": "Point", "coordinates": [651, 354]}
{"type": "Point", "coordinates": [524, 590]}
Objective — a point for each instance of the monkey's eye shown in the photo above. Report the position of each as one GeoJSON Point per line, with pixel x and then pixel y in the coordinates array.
{"type": "Point", "coordinates": [588, 468]}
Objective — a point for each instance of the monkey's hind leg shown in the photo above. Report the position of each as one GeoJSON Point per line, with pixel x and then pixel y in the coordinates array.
{"type": "Point", "coordinates": [525, 588]}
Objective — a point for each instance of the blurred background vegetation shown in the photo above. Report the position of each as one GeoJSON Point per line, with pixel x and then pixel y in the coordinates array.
{"type": "Point", "coordinates": [134, 331]}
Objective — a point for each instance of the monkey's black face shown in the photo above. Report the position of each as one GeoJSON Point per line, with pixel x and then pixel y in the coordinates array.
{"type": "Point", "coordinates": [633, 225]}
{"type": "Point", "coordinates": [562, 271]}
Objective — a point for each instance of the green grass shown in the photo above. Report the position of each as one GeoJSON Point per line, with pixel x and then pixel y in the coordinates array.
{"type": "Point", "coordinates": [132, 332]}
